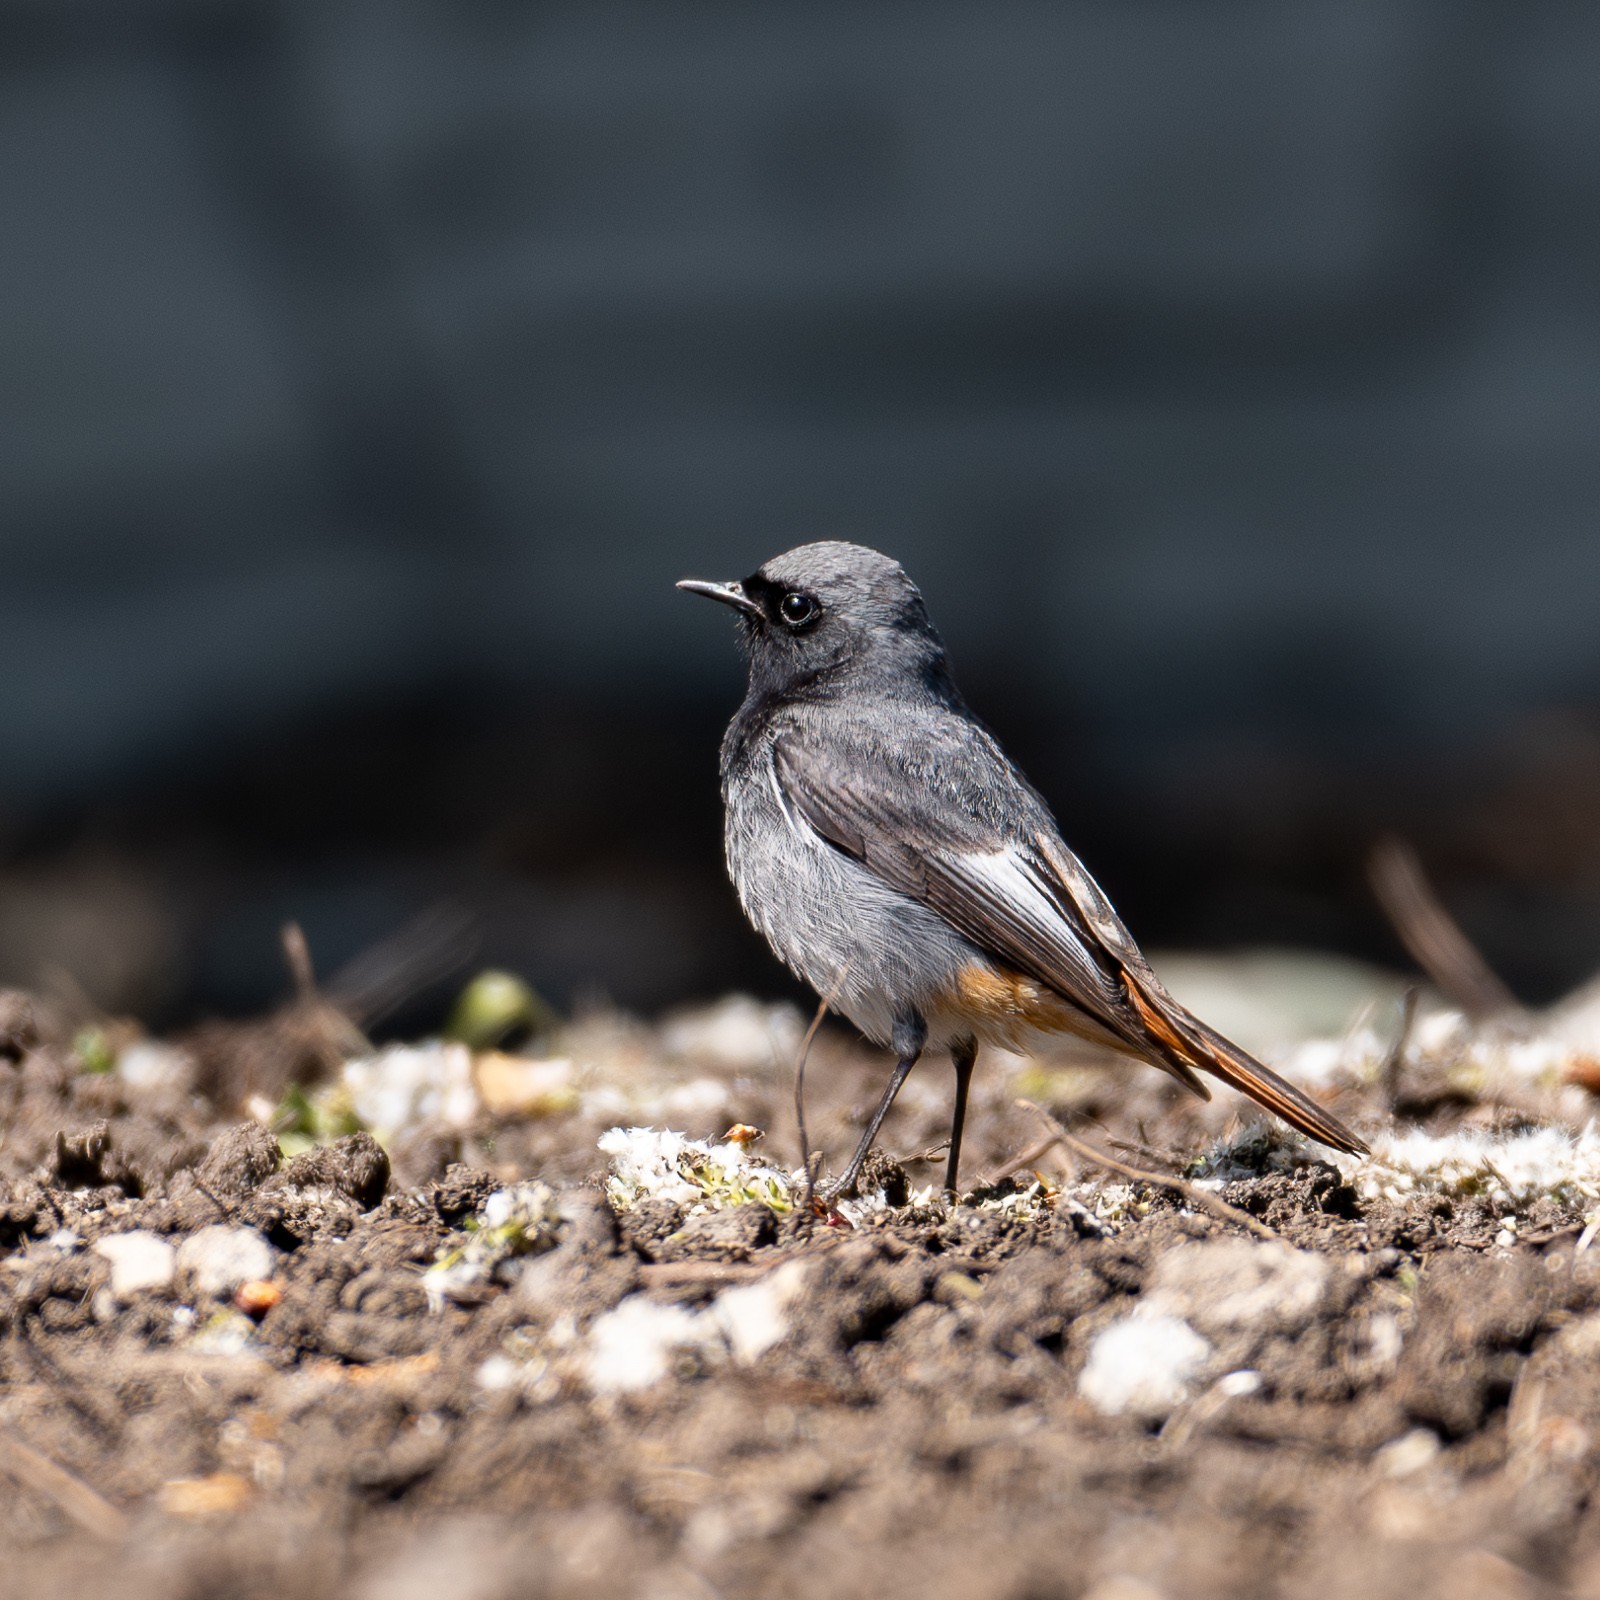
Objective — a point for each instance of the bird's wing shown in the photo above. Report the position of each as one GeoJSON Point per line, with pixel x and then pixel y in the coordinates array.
{"type": "Point", "coordinates": [1022, 896]}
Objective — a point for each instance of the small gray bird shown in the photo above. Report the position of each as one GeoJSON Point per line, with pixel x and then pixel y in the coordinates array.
{"type": "Point", "coordinates": [897, 861]}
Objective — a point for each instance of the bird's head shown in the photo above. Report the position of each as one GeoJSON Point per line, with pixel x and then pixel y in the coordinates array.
{"type": "Point", "coordinates": [823, 613]}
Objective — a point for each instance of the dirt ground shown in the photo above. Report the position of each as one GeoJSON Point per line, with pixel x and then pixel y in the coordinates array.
{"type": "Point", "coordinates": [351, 1370]}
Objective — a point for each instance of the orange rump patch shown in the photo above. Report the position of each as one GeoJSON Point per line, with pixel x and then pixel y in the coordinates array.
{"type": "Point", "coordinates": [1002, 999]}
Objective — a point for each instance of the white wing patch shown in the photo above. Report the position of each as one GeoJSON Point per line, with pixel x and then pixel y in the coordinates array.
{"type": "Point", "coordinates": [787, 811]}
{"type": "Point", "coordinates": [1015, 895]}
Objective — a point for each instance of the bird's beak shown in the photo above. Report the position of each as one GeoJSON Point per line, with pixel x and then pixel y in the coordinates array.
{"type": "Point", "coordinates": [730, 594]}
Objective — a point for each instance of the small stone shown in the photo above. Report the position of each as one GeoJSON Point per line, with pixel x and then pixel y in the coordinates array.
{"type": "Point", "coordinates": [512, 1086]}
{"type": "Point", "coordinates": [204, 1497]}
{"type": "Point", "coordinates": [1235, 1385]}
{"type": "Point", "coordinates": [216, 1260]}
{"type": "Point", "coordinates": [497, 1372]}
{"type": "Point", "coordinates": [734, 1033]}
{"type": "Point", "coordinates": [633, 1346]}
{"type": "Point", "coordinates": [148, 1064]}
{"type": "Point", "coordinates": [1144, 1366]}
{"type": "Point", "coordinates": [957, 1288]}
{"type": "Point", "coordinates": [1410, 1453]}
{"type": "Point", "coordinates": [139, 1261]}
{"type": "Point", "coordinates": [755, 1317]}
{"type": "Point", "coordinates": [408, 1084]}
{"type": "Point", "coordinates": [461, 1191]}
{"type": "Point", "coordinates": [257, 1297]}
{"type": "Point", "coordinates": [228, 1333]}
{"type": "Point", "coordinates": [1225, 1285]}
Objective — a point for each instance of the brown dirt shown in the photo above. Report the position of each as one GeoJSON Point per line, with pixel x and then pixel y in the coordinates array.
{"type": "Point", "coordinates": [1425, 1417]}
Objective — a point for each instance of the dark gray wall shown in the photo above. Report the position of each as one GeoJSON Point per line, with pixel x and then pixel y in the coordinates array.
{"type": "Point", "coordinates": [1228, 374]}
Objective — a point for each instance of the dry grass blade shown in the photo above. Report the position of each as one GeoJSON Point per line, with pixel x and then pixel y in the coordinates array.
{"type": "Point", "coordinates": [384, 976]}
{"type": "Point", "coordinates": [1202, 1198]}
{"type": "Point", "coordinates": [688, 1274]}
{"type": "Point", "coordinates": [678, 1274]}
{"type": "Point", "coordinates": [94, 1514]}
{"type": "Point", "coordinates": [1021, 1162]}
{"type": "Point", "coordinates": [806, 1161]}
{"type": "Point", "coordinates": [1394, 1061]}
{"type": "Point", "coordinates": [297, 957]}
{"type": "Point", "coordinates": [74, 1391]}
{"type": "Point", "coordinates": [672, 1274]}
{"type": "Point", "coordinates": [1431, 935]}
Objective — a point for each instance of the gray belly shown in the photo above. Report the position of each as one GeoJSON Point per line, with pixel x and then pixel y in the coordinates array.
{"type": "Point", "coordinates": [833, 923]}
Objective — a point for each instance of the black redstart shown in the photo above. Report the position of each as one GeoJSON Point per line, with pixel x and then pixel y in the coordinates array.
{"type": "Point", "coordinates": [897, 861]}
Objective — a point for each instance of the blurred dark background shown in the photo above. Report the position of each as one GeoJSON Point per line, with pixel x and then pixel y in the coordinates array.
{"type": "Point", "coordinates": [1228, 376]}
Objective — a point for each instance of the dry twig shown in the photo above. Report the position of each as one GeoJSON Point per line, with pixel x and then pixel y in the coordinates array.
{"type": "Point", "coordinates": [1431, 935]}
{"type": "Point", "coordinates": [800, 1087]}
{"type": "Point", "coordinates": [384, 976]}
{"type": "Point", "coordinates": [71, 1496]}
{"type": "Point", "coordinates": [673, 1274]}
{"type": "Point", "coordinates": [73, 1390]}
{"type": "Point", "coordinates": [1394, 1061]}
{"type": "Point", "coordinates": [807, 1160]}
{"type": "Point", "coordinates": [1017, 1163]}
{"type": "Point", "coordinates": [1193, 1193]}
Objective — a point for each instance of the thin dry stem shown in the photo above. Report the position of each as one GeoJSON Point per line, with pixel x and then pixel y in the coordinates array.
{"type": "Point", "coordinates": [1394, 1061]}
{"type": "Point", "coordinates": [806, 1159]}
{"type": "Point", "coordinates": [1431, 935]}
{"type": "Point", "coordinates": [1017, 1163]}
{"type": "Point", "coordinates": [92, 1512]}
{"type": "Point", "coordinates": [297, 956]}
{"type": "Point", "coordinates": [1203, 1198]}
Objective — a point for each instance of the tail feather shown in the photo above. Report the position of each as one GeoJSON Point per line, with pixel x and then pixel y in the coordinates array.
{"type": "Point", "coordinates": [1266, 1088]}
{"type": "Point", "coordinates": [1181, 1034]}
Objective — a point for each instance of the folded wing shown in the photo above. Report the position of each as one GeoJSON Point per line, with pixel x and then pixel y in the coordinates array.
{"type": "Point", "coordinates": [1028, 901]}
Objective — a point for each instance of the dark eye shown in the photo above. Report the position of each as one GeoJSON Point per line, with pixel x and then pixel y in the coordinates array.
{"type": "Point", "coordinates": [797, 609]}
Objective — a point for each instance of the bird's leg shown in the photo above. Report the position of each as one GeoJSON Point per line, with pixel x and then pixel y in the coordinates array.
{"type": "Point", "coordinates": [962, 1057]}
{"type": "Point", "coordinates": [910, 1034]}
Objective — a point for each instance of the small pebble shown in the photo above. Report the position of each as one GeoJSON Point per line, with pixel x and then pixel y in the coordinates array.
{"type": "Point", "coordinates": [139, 1261]}
{"type": "Point", "coordinates": [204, 1497]}
{"type": "Point", "coordinates": [1410, 1453]}
{"type": "Point", "coordinates": [257, 1297]}
{"type": "Point", "coordinates": [217, 1259]}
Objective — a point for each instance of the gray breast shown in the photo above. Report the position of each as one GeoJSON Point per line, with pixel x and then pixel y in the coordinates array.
{"type": "Point", "coordinates": [833, 923]}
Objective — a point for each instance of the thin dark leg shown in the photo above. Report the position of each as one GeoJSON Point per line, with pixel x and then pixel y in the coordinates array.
{"type": "Point", "coordinates": [962, 1057]}
{"type": "Point", "coordinates": [910, 1034]}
